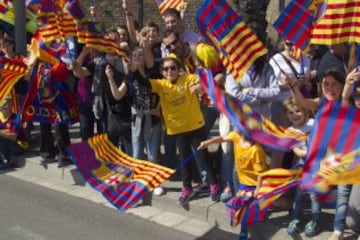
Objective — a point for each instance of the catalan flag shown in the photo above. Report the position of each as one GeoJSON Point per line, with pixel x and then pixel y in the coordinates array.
{"type": "Point", "coordinates": [100, 42]}
{"type": "Point", "coordinates": [56, 26]}
{"type": "Point", "coordinates": [165, 4]}
{"type": "Point", "coordinates": [248, 122]}
{"type": "Point", "coordinates": [339, 23]}
{"type": "Point", "coordinates": [333, 155]}
{"type": "Point", "coordinates": [122, 180]}
{"type": "Point", "coordinates": [10, 72]}
{"type": "Point", "coordinates": [238, 45]}
{"type": "Point", "coordinates": [250, 209]}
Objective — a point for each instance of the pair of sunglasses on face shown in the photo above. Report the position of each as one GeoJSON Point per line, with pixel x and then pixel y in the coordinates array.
{"type": "Point", "coordinates": [172, 68]}
{"type": "Point", "coordinates": [173, 43]}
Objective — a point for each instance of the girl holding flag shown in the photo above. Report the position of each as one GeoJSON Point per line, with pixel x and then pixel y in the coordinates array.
{"type": "Point", "coordinates": [332, 85]}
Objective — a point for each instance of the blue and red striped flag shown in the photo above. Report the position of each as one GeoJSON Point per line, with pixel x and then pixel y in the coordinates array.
{"type": "Point", "coordinates": [297, 20]}
{"type": "Point", "coordinates": [238, 46]}
{"type": "Point", "coordinates": [339, 23]}
{"type": "Point", "coordinates": [333, 155]}
{"type": "Point", "coordinates": [165, 4]}
{"type": "Point", "coordinates": [121, 179]}
{"type": "Point", "coordinates": [250, 209]}
{"type": "Point", "coordinates": [248, 122]}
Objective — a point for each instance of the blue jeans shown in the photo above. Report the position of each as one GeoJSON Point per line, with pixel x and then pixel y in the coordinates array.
{"type": "Point", "coordinates": [235, 180]}
{"type": "Point", "coordinates": [298, 206]}
{"type": "Point", "coordinates": [210, 115]}
{"type": "Point", "coordinates": [139, 141]}
{"type": "Point", "coordinates": [342, 203]}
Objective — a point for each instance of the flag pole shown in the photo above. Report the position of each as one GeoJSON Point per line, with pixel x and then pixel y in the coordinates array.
{"type": "Point", "coordinates": [20, 30]}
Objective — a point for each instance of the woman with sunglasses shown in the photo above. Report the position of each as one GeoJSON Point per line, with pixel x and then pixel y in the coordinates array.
{"type": "Point", "coordinates": [184, 119]}
{"type": "Point", "coordinates": [288, 61]}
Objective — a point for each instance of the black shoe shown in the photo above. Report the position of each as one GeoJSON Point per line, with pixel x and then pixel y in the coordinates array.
{"type": "Point", "coordinates": [63, 162]}
{"type": "Point", "coordinates": [44, 162]}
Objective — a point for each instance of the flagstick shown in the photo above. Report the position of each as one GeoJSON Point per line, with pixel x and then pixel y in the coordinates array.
{"type": "Point", "coordinates": [183, 163]}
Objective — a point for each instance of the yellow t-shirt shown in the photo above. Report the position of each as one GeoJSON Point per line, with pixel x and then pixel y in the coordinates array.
{"type": "Point", "coordinates": [180, 108]}
{"type": "Point", "coordinates": [249, 161]}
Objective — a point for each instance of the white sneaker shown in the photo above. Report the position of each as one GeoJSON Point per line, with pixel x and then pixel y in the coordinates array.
{"type": "Point", "coordinates": [158, 191]}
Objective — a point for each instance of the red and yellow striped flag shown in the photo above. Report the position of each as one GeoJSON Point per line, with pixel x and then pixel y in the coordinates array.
{"type": "Point", "coordinates": [165, 4]}
{"type": "Point", "coordinates": [10, 72]}
{"type": "Point", "coordinates": [339, 23]}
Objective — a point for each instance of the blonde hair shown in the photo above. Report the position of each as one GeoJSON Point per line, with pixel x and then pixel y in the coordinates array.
{"type": "Point", "coordinates": [289, 103]}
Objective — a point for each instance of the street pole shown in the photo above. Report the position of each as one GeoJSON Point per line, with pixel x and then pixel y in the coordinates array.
{"type": "Point", "coordinates": [20, 28]}
{"type": "Point", "coordinates": [141, 12]}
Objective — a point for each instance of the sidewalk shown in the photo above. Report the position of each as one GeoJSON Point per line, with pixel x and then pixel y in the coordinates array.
{"type": "Point", "coordinates": [203, 218]}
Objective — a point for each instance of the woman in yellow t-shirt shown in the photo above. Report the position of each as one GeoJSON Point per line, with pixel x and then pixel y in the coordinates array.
{"type": "Point", "coordinates": [183, 118]}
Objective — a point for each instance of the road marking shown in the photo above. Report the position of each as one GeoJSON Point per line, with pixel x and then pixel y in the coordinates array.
{"type": "Point", "coordinates": [25, 233]}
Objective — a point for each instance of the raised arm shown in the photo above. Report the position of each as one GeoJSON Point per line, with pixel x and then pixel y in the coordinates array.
{"type": "Point", "coordinates": [351, 79]}
{"type": "Point", "coordinates": [129, 16]}
{"type": "Point", "coordinates": [146, 45]}
{"type": "Point", "coordinates": [78, 69]}
{"type": "Point", "coordinates": [117, 92]}
{"type": "Point", "coordinates": [214, 140]}
{"type": "Point", "coordinates": [311, 104]}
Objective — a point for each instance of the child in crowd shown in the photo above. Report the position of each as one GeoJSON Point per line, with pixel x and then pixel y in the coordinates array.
{"type": "Point", "coordinates": [8, 135]}
{"type": "Point", "coordinates": [250, 160]}
{"type": "Point", "coordinates": [300, 122]}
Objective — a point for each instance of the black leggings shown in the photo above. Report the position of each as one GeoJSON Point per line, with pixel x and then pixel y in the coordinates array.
{"type": "Point", "coordinates": [186, 142]}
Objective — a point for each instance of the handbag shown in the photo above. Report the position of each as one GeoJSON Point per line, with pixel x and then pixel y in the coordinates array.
{"type": "Point", "coordinates": [117, 121]}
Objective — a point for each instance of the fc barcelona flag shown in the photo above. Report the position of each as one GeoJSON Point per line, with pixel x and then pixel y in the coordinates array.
{"type": "Point", "coordinates": [122, 180]}
{"type": "Point", "coordinates": [49, 99]}
{"type": "Point", "coordinates": [252, 208]}
{"type": "Point", "coordinates": [333, 156]}
{"type": "Point", "coordinates": [248, 122]}
{"type": "Point", "coordinates": [239, 47]}
{"type": "Point", "coordinates": [297, 20]}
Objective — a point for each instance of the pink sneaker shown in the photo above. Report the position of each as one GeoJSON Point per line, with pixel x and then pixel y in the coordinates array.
{"type": "Point", "coordinates": [186, 195]}
{"type": "Point", "coordinates": [214, 192]}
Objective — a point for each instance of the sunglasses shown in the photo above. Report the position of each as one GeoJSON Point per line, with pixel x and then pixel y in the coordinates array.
{"type": "Point", "coordinates": [173, 43]}
{"type": "Point", "coordinates": [172, 68]}
{"type": "Point", "coordinates": [289, 44]}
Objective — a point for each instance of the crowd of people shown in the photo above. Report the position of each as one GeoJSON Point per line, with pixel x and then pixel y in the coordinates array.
{"type": "Point", "coordinates": [154, 96]}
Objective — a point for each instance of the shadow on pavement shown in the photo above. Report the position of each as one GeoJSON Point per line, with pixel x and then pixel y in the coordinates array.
{"type": "Point", "coordinates": [218, 234]}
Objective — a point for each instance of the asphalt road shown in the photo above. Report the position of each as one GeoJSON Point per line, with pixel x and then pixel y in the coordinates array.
{"type": "Point", "coordinates": [31, 212]}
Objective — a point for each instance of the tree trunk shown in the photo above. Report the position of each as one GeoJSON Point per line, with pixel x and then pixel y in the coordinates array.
{"type": "Point", "coordinates": [253, 13]}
